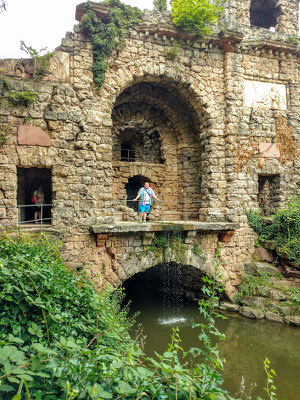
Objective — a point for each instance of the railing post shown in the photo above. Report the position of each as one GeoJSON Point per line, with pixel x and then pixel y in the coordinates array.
{"type": "Point", "coordinates": [185, 211]}
{"type": "Point", "coordinates": [41, 217]}
{"type": "Point", "coordinates": [162, 210]}
{"type": "Point", "coordinates": [19, 220]}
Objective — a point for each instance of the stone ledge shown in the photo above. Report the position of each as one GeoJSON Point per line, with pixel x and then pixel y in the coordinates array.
{"type": "Point", "coordinates": [125, 227]}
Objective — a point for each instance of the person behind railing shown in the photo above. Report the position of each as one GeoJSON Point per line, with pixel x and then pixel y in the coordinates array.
{"type": "Point", "coordinates": [38, 198]}
{"type": "Point", "coordinates": [145, 195]}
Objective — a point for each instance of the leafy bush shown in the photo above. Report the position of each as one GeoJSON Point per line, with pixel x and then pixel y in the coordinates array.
{"type": "Point", "coordinates": [59, 339]}
{"type": "Point", "coordinates": [197, 16]}
{"type": "Point", "coordinates": [284, 230]}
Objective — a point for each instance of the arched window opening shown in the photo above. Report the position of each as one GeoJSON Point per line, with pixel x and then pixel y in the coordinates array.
{"type": "Point", "coordinates": [264, 13]}
{"type": "Point", "coordinates": [127, 152]}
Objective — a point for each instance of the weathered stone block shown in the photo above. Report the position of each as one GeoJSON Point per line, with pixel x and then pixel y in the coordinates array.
{"type": "Point", "coordinates": [262, 254]}
{"type": "Point", "coordinates": [259, 268]}
{"type": "Point", "coordinates": [251, 312]}
{"type": "Point", "coordinates": [270, 316]}
{"type": "Point", "coordinates": [229, 306]}
{"type": "Point", "coordinates": [33, 136]}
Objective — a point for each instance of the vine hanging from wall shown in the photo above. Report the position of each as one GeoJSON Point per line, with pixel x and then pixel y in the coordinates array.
{"type": "Point", "coordinates": [109, 37]}
{"type": "Point", "coordinates": [245, 151]}
{"type": "Point", "coordinates": [284, 139]}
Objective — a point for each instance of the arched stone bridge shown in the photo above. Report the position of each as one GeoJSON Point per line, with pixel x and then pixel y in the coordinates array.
{"type": "Point", "coordinates": [127, 248]}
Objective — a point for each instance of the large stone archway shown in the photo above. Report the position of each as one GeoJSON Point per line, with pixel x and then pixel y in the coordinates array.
{"type": "Point", "coordinates": [163, 131]}
{"type": "Point", "coordinates": [173, 280]}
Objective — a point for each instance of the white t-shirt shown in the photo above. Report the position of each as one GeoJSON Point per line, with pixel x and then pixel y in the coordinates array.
{"type": "Point", "coordinates": [41, 197]}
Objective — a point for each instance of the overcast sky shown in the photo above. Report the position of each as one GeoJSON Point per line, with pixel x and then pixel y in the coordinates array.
{"type": "Point", "coordinates": [41, 23]}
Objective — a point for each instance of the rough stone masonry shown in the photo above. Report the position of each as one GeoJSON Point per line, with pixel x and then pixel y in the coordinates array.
{"type": "Point", "coordinates": [215, 130]}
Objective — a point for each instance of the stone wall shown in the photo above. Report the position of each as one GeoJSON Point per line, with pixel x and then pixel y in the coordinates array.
{"type": "Point", "coordinates": [207, 131]}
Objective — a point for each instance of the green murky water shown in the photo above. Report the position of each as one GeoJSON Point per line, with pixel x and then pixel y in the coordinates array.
{"type": "Point", "coordinates": [248, 343]}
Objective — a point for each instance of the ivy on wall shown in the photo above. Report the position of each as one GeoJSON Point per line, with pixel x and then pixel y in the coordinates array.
{"type": "Point", "coordinates": [284, 139]}
{"type": "Point", "coordinates": [107, 38]}
{"type": "Point", "coordinates": [15, 97]}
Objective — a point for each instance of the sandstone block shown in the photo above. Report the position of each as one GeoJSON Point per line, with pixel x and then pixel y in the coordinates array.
{"type": "Point", "coordinates": [251, 312]}
{"type": "Point", "coordinates": [33, 136]}
{"type": "Point", "coordinates": [229, 306]}
{"type": "Point", "coordinates": [259, 268]}
{"type": "Point", "coordinates": [262, 254]}
{"type": "Point", "coordinates": [270, 316]}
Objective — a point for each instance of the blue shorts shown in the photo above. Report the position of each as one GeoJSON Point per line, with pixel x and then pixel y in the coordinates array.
{"type": "Point", "coordinates": [144, 208]}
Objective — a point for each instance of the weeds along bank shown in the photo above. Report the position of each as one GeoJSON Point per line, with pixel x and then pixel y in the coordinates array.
{"type": "Point", "coordinates": [59, 339]}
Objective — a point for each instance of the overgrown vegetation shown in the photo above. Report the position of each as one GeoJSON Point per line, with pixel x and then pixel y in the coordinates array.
{"type": "Point", "coordinates": [61, 340]}
{"type": "Point", "coordinates": [4, 129]}
{"type": "Point", "coordinates": [108, 37]}
{"type": "Point", "coordinates": [172, 53]}
{"type": "Point", "coordinates": [284, 230]}
{"type": "Point", "coordinates": [197, 16]}
{"type": "Point", "coordinates": [256, 285]}
{"type": "Point", "coordinates": [160, 5]}
{"type": "Point", "coordinates": [15, 97]}
{"type": "Point", "coordinates": [41, 62]}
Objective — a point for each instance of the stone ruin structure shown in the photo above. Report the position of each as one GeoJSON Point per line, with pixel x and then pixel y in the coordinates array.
{"type": "Point", "coordinates": [212, 123]}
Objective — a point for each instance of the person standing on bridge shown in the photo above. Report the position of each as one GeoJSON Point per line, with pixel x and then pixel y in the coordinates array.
{"type": "Point", "coordinates": [145, 195]}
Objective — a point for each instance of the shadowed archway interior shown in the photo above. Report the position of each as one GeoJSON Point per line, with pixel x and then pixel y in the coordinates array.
{"type": "Point", "coordinates": [157, 129]}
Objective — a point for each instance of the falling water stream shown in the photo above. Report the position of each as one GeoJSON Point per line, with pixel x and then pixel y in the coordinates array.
{"type": "Point", "coordinates": [248, 341]}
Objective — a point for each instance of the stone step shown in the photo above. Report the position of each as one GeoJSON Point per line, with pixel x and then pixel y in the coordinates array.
{"type": "Point", "coordinates": [260, 268]}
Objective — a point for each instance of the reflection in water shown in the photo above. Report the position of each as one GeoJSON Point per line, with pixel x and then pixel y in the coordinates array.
{"type": "Point", "coordinates": [248, 343]}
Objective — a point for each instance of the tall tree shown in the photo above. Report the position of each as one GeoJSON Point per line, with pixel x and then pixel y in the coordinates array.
{"type": "Point", "coordinates": [160, 5]}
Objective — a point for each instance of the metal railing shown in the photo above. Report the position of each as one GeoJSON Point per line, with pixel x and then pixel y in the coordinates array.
{"type": "Point", "coordinates": [128, 155]}
{"type": "Point", "coordinates": [184, 210]}
{"type": "Point", "coordinates": [22, 207]}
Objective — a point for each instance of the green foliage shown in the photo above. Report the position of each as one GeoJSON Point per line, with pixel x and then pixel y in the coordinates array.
{"type": "Point", "coordinates": [171, 53]}
{"type": "Point", "coordinates": [107, 38]}
{"type": "Point", "coordinates": [3, 132]}
{"type": "Point", "coordinates": [4, 84]}
{"type": "Point", "coordinates": [270, 388]}
{"type": "Point", "coordinates": [160, 5]}
{"type": "Point", "coordinates": [41, 62]}
{"type": "Point", "coordinates": [59, 339]}
{"type": "Point", "coordinates": [22, 98]}
{"type": "Point", "coordinates": [197, 16]}
{"type": "Point", "coordinates": [251, 284]}
{"type": "Point", "coordinates": [293, 39]}
{"type": "Point", "coordinates": [284, 231]}
{"type": "Point", "coordinates": [15, 98]}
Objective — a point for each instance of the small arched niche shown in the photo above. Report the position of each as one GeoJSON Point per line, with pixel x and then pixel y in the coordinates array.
{"type": "Point", "coordinates": [264, 13]}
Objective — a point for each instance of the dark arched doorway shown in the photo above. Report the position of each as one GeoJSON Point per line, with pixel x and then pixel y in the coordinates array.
{"type": "Point", "coordinates": [132, 187]}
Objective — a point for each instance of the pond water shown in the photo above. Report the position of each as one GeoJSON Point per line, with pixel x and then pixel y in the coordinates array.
{"type": "Point", "coordinates": [247, 343]}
